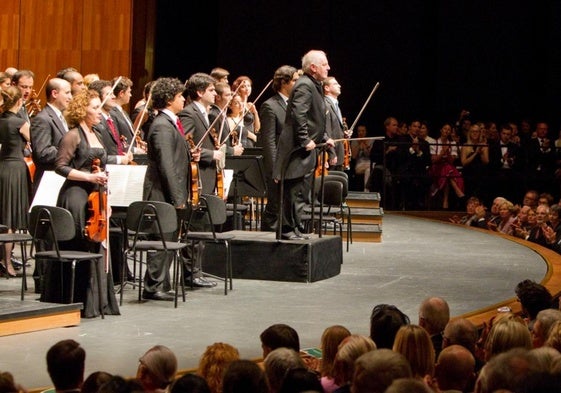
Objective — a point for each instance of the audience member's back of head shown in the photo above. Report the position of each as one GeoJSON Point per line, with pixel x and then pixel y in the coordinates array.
{"type": "Point", "coordinates": [413, 342]}
{"type": "Point", "coordinates": [244, 376]}
{"type": "Point", "coordinates": [94, 381]}
{"type": "Point", "coordinates": [455, 368]}
{"type": "Point", "coordinates": [434, 314]}
{"type": "Point", "coordinates": [506, 371]}
{"type": "Point", "coordinates": [544, 358]}
{"type": "Point", "coordinates": [330, 340]}
{"type": "Point", "coordinates": [543, 326]}
{"type": "Point", "coordinates": [349, 351]}
{"type": "Point", "coordinates": [376, 370]}
{"type": "Point", "coordinates": [533, 297]}
{"type": "Point", "coordinates": [385, 321]}
{"type": "Point", "coordinates": [66, 361]}
{"type": "Point", "coordinates": [157, 367]}
{"type": "Point", "coordinates": [505, 335]}
{"type": "Point", "coordinates": [190, 383]}
{"type": "Point", "coordinates": [279, 336]}
{"type": "Point", "coordinates": [7, 383]}
{"type": "Point", "coordinates": [214, 362]}
{"type": "Point", "coordinates": [277, 363]}
{"type": "Point", "coordinates": [462, 332]}
{"type": "Point", "coordinates": [300, 380]}
{"type": "Point", "coordinates": [408, 385]}
{"type": "Point", "coordinates": [118, 384]}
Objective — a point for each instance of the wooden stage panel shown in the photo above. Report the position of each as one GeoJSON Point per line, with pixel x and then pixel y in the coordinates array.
{"type": "Point", "coordinates": [259, 256]}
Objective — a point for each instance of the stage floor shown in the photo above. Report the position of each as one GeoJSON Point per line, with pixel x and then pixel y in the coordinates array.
{"type": "Point", "coordinates": [417, 258]}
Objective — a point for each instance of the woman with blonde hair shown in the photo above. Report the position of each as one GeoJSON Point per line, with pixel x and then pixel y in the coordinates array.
{"type": "Point", "coordinates": [413, 342]}
{"type": "Point", "coordinates": [350, 349]}
{"type": "Point", "coordinates": [214, 362]}
{"type": "Point", "coordinates": [507, 334]}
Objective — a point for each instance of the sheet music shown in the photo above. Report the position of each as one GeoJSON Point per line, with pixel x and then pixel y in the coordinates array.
{"type": "Point", "coordinates": [125, 183]}
{"type": "Point", "coordinates": [49, 187]}
{"type": "Point", "coordinates": [228, 177]}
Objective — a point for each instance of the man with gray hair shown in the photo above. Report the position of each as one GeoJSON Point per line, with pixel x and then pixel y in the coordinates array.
{"type": "Point", "coordinates": [278, 363]}
{"type": "Point", "coordinates": [544, 321]}
{"type": "Point", "coordinates": [304, 128]}
{"type": "Point", "coordinates": [434, 314]}
{"type": "Point", "coordinates": [376, 370]}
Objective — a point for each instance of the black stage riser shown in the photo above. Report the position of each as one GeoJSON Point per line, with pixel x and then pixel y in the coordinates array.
{"type": "Point", "coordinates": [259, 256]}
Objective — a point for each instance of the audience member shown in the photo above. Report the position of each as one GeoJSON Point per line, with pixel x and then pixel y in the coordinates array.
{"type": "Point", "coordinates": [330, 341]}
{"type": "Point", "coordinates": [376, 370]}
{"type": "Point", "coordinates": [157, 368]}
{"type": "Point", "coordinates": [470, 216]}
{"type": "Point", "coordinates": [474, 157]}
{"type": "Point", "coordinates": [8, 385]}
{"type": "Point", "coordinates": [408, 385]}
{"type": "Point", "coordinates": [343, 367]}
{"type": "Point", "coordinates": [544, 357]}
{"type": "Point", "coordinates": [118, 384]}
{"type": "Point", "coordinates": [94, 381]}
{"type": "Point", "coordinates": [214, 362]}
{"type": "Point", "coordinates": [277, 336]}
{"type": "Point", "coordinates": [190, 383]}
{"type": "Point", "coordinates": [413, 342]}
{"type": "Point", "coordinates": [455, 369]}
{"type": "Point", "coordinates": [543, 324]}
{"type": "Point", "coordinates": [507, 215]}
{"type": "Point", "coordinates": [243, 376]}
{"type": "Point", "coordinates": [434, 314]}
{"type": "Point", "coordinates": [66, 361]}
{"type": "Point", "coordinates": [461, 331]}
{"type": "Point", "coordinates": [277, 364]}
{"type": "Point", "coordinates": [554, 337]}
{"type": "Point", "coordinates": [298, 380]}
{"type": "Point", "coordinates": [506, 371]}
{"type": "Point", "coordinates": [533, 298]}
{"type": "Point", "coordinates": [507, 334]}
{"type": "Point", "coordinates": [385, 321]}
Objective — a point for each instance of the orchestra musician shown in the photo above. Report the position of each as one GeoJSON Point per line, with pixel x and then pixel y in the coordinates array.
{"type": "Point", "coordinates": [167, 176]}
{"type": "Point", "coordinates": [223, 98]}
{"type": "Point", "coordinates": [272, 113]}
{"type": "Point", "coordinates": [304, 128]}
{"type": "Point", "coordinates": [195, 120]}
{"type": "Point", "coordinates": [77, 152]}
{"type": "Point", "coordinates": [251, 122]}
{"type": "Point", "coordinates": [49, 126]}
{"type": "Point", "coordinates": [73, 76]}
{"type": "Point", "coordinates": [122, 120]}
{"type": "Point", "coordinates": [24, 80]}
{"type": "Point", "coordinates": [334, 123]}
{"type": "Point", "coordinates": [14, 177]}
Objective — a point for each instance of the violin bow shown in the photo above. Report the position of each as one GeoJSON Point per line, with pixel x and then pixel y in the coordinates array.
{"type": "Point", "coordinates": [138, 120]}
{"type": "Point", "coordinates": [43, 85]}
{"type": "Point", "coordinates": [112, 90]}
{"type": "Point", "coordinates": [364, 106]}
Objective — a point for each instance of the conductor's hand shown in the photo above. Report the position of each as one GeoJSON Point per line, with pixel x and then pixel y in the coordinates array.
{"type": "Point", "coordinates": [310, 146]}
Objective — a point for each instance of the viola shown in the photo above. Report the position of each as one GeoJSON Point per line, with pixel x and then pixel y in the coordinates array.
{"type": "Point", "coordinates": [96, 226]}
{"type": "Point", "coordinates": [32, 105]}
{"type": "Point", "coordinates": [195, 184]}
{"type": "Point", "coordinates": [219, 174]}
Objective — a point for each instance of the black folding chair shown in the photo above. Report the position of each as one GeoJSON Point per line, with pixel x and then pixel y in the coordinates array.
{"type": "Point", "coordinates": [22, 239]}
{"type": "Point", "coordinates": [50, 225]}
{"type": "Point", "coordinates": [152, 219]}
{"type": "Point", "coordinates": [214, 209]}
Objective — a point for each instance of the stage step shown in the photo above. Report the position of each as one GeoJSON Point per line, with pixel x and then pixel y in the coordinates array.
{"type": "Point", "coordinates": [367, 216]}
{"type": "Point", "coordinates": [31, 316]}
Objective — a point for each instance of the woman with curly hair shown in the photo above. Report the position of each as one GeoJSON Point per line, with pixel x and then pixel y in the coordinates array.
{"type": "Point", "coordinates": [214, 362]}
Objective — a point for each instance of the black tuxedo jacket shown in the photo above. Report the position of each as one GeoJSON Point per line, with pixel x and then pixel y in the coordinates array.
{"type": "Point", "coordinates": [108, 140]}
{"type": "Point", "coordinates": [272, 114]}
{"type": "Point", "coordinates": [46, 132]}
{"type": "Point", "coordinates": [193, 123]}
{"type": "Point", "coordinates": [538, 158]}
{"type": "Point", "coordinates": [334, 128]}
{"type": "Point", "coordinates": [304, 122]}
{"type": "Point", "coordinates": [496, 156]}
{"type": "Point", "coordinates": [221, 125]}
{"type": "Point", "coordinates": [167, 176]}
{"type": "Point", "coordinates": [122, 125]}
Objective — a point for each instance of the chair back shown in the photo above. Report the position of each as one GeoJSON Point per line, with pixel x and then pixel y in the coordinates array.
{"type": "Point", "coordinates": [216, 209]}
{"type": "Point", "coordinates": [151, 218]}
{"type": "Point", "coordinates": [51, 224]}
{"type": "Point", "coordinates": [332, 193]}
{"type": "Point", "coordinates": [339, 176]}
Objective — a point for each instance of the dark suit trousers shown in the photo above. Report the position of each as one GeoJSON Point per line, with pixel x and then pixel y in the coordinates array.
{"type": "Point", "coordinates": [292, 203]}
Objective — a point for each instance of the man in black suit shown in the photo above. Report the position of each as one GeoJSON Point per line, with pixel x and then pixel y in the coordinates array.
{"type": "Point", "coordinates": [272, 114]}
{"type": "Point", "coordinates": [304, 127]}
{"type": "Point", "coordinates": [122, 120]}
{"type": "Point", "coordinates": [24, 80]}
{"type": "Point", "coordinates": [48, 127]}
{"type": "Point", "coordinates": [195, 120]}
{"type": "Point", "coordinates": [334, 122]}
{"type": "Point", "coordinates": [167, 176]}
{"type": "Point", "coordinates": [540, 160]}
{"type": "Point", "coordinates": [505, 164]}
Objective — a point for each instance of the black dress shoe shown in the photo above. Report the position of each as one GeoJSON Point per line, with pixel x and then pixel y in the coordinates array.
{"type": "Point", "coordinates": [159, 295]}
{"type": "Point", "coordinates": [199, 282]}
{"type": "Point", "coordinates": [291, 236]}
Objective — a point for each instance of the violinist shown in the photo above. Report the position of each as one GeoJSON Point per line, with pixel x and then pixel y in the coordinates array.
{"type": "Point", "coordinates": [78, 150]}
{"type": "Point", "coordinates": [251, 122]}
{"type": "Point", "coordinates": [75, 79]}
{"type": "Point", "coordinates": [335, 125]}
{"type": "Point", "coordinates": [167, 177]}
{"type": "Point", "coordinates": [116, 154]}
{"type": "Point", "coordinates": [195, 120]}
{"type": "Point", "coordinates": [223, 98]}
{"type": "Point", "coordinates": [122, 120]}
{"type": "Point", "coordinates": [23, 80]}
{"type": "Point", "coordinates": [49, 126]}
{"type": "Point", "coordinates": [272, 114]}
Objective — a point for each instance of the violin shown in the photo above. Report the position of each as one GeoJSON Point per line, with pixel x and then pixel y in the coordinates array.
{"type": "Point", "coordinates": [32, 105]}
{"type": "Point", "coordinates": [322, 168]}
{"type": "Point", "coordinates": [219, 174]}
{"type": "Point", "coordinates": [195, 184]}
{"type": "Point", "coordinates": [346, 147]}
{"type": "Point", "coordinates": [29, 162]}
{"type": "Point", "coordinates": [97, 225]}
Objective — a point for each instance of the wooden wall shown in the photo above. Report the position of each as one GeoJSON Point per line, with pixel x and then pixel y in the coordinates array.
{"type": "Point", "coordinates": [94, 36]}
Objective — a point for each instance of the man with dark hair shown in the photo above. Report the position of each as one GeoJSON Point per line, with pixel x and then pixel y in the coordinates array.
{"type": "Point", "coordinates": [533, 297]}
{"type": "Point", "coordinates": [278, 336]}
{"type": "Point", "coordinates": [220, 74]}
{"type": "Point", "coordinates": [75, 79]}
{"type": "Point", "coordinates": [23, 80]}
{"type": "Point", "coordinates": [122, 120]}
{"type": "Point", "coordinates": [167, 176]}
{"type": "Point", "coordinates": [385, 321]}
{"type": "Point", "coordinates": [65, 364]}
{"type": "Point", "coordinates": [335, 123]}
{"type": "Point", "coordinates": [304, 128]}
{"type": "Point", "coordinates": [272, 114]}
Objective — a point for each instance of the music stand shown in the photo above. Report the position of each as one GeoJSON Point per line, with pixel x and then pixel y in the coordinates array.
{"type": "Point", "coordinates": [248, 179]}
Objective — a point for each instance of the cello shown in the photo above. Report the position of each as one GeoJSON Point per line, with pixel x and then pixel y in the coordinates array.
{"type": "Point", "coordinates": [97, 226]}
